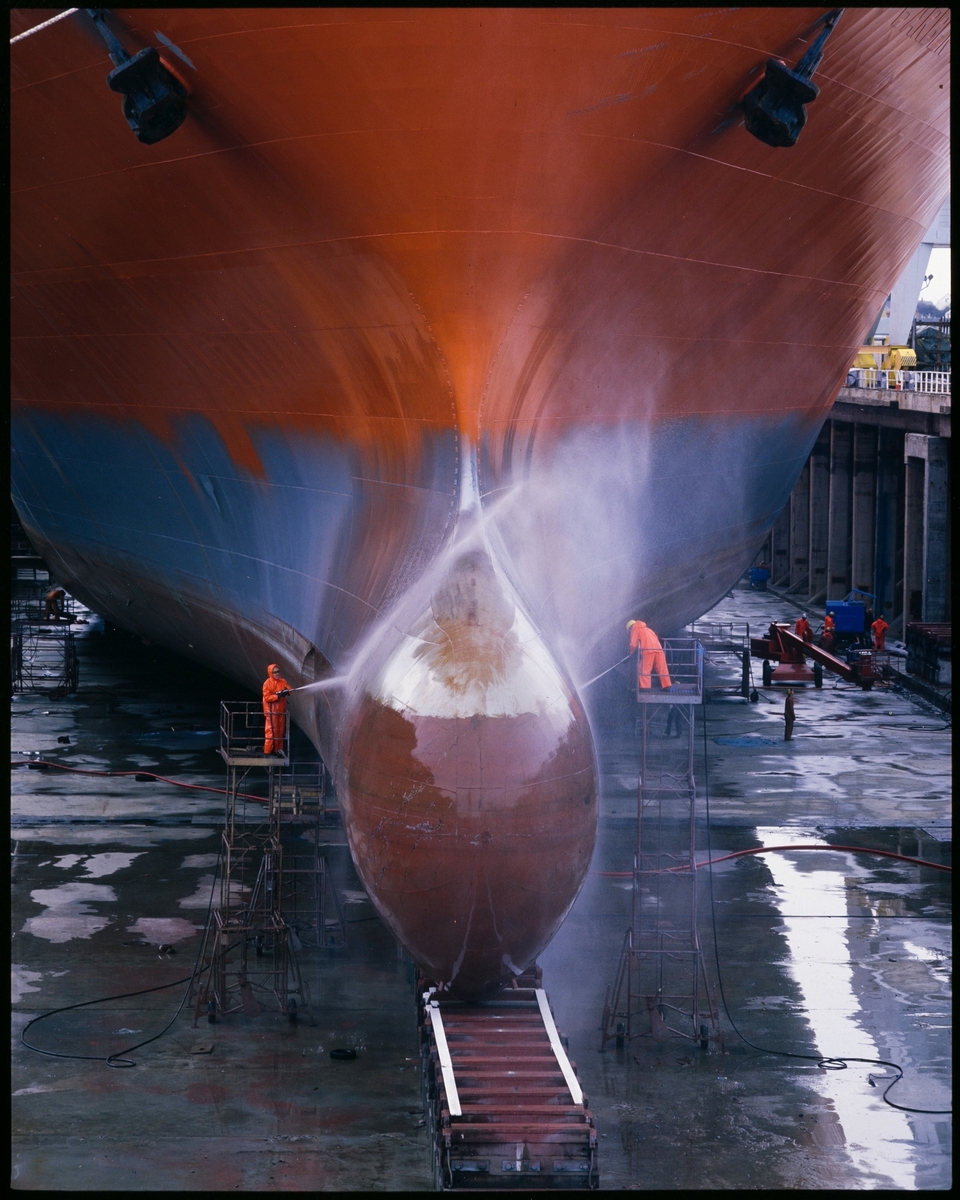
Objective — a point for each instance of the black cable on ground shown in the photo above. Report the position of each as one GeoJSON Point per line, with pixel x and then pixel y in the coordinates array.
{"type": "Point", "coordinates": [837, 1063]}
{"type": "Point", "coordinates": [114, 1060]}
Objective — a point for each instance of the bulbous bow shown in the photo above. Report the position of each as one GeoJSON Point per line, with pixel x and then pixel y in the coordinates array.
{"type": "Point", "coordinates": [468, 784]}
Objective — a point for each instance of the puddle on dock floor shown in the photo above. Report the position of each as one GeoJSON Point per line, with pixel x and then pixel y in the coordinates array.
{"type": "Point", "coordinates": [108, 869]}
{"type": "Point", "coordinates": [820, 953]}
{"type": "Point", "coordinates": [845, 983]}
{"type": "Point", "coordinates": [828, 954]}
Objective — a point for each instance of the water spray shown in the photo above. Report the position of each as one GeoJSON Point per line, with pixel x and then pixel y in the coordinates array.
{"type": "Point", "coordinates": [322, 684]}
{"type": "Point", "coordinates": [606, 672]}
{"type": "Point", "coordinates": [471, 532]}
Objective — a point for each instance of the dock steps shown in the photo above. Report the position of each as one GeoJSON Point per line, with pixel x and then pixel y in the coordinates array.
{"type": "Point", "coordinates": [502, 1097]}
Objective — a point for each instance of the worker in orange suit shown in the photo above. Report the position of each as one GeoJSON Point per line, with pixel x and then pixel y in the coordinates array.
{"type": "Point", "coordinates": [53, 609]}
{"type": "Point", "coordinates": [802, 628]}
{"type": "Point", "coordinates": [879, 630]}
{"type": "Point", "coordinates": [829, 628]}
{"type": "Point", "coordinates": [275, 693]}
{"type": "Point", "coordinates": [650, 657]}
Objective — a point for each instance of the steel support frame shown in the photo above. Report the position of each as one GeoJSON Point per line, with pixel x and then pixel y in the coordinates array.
{"type": "Point", "coordinates": [731, 638]}
{"type": "Point", "coordinates": [248, 960]}
{"type": "Point", "coordinates": [660, 988]}
{"type": "Point", "coordinates": [307, 896]}
{"type": "Point", "coordinates": [43, 657]}
{"type": "Point", "coordinates": [498, 1116]}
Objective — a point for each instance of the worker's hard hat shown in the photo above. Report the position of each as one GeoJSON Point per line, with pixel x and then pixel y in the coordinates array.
{"type": "Point", "coordinates": [803, 614]}
{"type": "Point", "coordinates": [629, 623]}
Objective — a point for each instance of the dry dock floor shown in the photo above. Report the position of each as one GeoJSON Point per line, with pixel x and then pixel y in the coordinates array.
{"type": "Point", "coordinates": [819, 952]}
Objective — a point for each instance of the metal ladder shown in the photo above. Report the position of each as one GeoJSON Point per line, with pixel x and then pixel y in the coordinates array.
{"type": "Point", "coordinates": [660, 988]}
{"type": "Point", "coordinates": [249, 954]}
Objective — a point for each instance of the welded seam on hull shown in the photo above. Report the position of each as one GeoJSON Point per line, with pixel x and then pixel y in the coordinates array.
{"type": "Point", "coordinates": [26, 403]}
{"type": "Point", "coordinates": [203, 546]}
{"type": "Point", "coordinates": [23, 276]}
{"type": "Point", "coordinates": [466, 938]}
{"type": "Point", "coordinates": [355, 132]}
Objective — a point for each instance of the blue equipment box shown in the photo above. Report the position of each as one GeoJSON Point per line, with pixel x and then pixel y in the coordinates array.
{"type": "Point", "coordinates": [758, 578]}
{"type": "Point", "coordinates": [848, 615]}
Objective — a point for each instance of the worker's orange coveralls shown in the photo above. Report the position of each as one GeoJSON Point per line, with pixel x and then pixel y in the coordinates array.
{"type": "Point", "coordinates": [650, 660]}
{"type": "Point", "coordinates": [802, 629]}
{"type": "Point", "coordinates": [274, 709]}
{"type": "Point", "coordinates": [53, 609]}
{"type": "Point", "coordinates": [829, 625]}
{"type": "Point", "coordinates": [879, 628]}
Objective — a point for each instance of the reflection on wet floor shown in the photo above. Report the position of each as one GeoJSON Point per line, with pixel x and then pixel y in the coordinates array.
{"type": "Point", "coordinates": [805, 943]}
{"type": "Point", "coordinates": [820, 953]}
{"type": "Point", "coordinates": [805, 946]}
{"type": "Point", "coordinates": [66, 910]}
{"type": "Point", "coordinates": [812, 891]}
{"type": "Point", "coordinates": [107, 870]}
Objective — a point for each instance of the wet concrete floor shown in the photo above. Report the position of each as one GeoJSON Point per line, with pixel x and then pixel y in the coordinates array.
{"type": "Point", "coordinates": [107, 869]}
{"type": "Point", "coordinates": [819, 952]}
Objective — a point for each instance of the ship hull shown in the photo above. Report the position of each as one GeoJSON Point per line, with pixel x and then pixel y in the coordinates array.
{"type": "Point", "coordinates": [393, 257]}
{"type": "Point", "coordinates": [498, 839]}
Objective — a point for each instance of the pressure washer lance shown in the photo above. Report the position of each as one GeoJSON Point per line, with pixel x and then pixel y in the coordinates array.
{"type": "Point", "coordinates": [606, 672]}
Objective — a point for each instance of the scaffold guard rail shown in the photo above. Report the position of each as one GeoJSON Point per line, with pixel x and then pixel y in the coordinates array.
{"type": "Point", "coordinates": [684, 660]}
{"type": "Point", "coordinates": [726, 635]}
{"type": "Point", "coordinates": [243, 730]}
{"type": "Point", "coordinates": [43, 657]}
{"type": "Point", "coordinates": [33, 609]}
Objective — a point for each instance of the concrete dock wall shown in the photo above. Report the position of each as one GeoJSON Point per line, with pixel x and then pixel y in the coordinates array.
{"type": "Point", "coordinates": [871, 510]}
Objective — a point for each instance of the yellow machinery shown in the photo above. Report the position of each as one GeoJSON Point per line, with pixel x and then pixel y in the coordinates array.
{"type": "Point", "coordinates": [886, 358]}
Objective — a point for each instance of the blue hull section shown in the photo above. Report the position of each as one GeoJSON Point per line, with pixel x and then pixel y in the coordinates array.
{"type": "Point", "coordinates": [181, 546]}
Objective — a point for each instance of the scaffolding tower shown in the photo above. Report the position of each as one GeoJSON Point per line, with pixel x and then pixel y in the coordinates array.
{"type": "Point", "coordinates": [730, 639]}
{"type": "Point", "coordinates": [272, 898]}
{"type": "Point", "coordinates": [308, 900]}
{"type": "Point", "coordinates": [43, 657]}
{"type": "Point", "coordinates": [660, 988]}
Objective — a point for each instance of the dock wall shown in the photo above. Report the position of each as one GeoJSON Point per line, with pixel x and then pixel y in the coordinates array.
{"type": "Point", "coordinates": [871, 509]}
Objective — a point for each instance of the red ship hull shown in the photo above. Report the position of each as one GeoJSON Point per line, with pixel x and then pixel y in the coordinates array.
{"type": "Point", "coordinates": [257, 364]}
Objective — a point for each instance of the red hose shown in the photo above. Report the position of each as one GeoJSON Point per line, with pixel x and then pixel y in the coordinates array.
{"type": "Point", "coordinates": [922, 862]}
{"type": "Point", "coordinates": [200, 787]}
